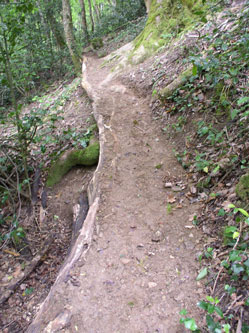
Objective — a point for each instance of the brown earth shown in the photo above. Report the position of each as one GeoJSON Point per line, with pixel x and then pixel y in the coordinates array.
{"type": "Point", "coordinates": [53, 221]}
{"type": "Point", "coordinates": [140, 270]}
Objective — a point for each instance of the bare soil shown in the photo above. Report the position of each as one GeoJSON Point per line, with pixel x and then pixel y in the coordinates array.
{"type": "Point", "coordinates": [140, 270]}
{"type": "Point", "coordinates": [54, 221]}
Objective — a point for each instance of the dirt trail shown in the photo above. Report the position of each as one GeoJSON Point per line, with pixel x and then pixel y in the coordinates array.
{"type": "Point", "coordinates": [140, 270]}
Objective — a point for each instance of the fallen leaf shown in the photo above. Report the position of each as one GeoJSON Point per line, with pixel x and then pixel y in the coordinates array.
{"type": "Point", "coordinates": [193, 190]}
{"type": "Point", "coordinates": [13, 253]}
{"type": "Point", "coordinates": [226, 205]}
{"type": "Point", "coordinates": [171, 198]}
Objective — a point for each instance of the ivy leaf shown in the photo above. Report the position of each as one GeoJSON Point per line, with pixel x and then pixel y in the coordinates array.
{"type": "Point", "coordinates": [194, 70]}
{"type": "Point", "coordinates": [235, 234]}
{"type": "Point", "coordinates": [246, 263]}
{"type": "Point", "coordinates": [219, 311]}
{"type": "Point", "coordinates": [212, 325]}
{"type": "Point", "coordinates": [234, 113]}
{"type": "Point", "coordinates": [243, 100]}
{"type": "Point", "coordinates": [244, 212]}
{"type": "Point", "coordinates": [202, 274]}
{"type": "Point", "coordinates": [237, 269]}
{"type": "Point", "coordinates": [190, 324]}
{"type": "Point", "coordinates": [205, 169]}
{"type": "Point", "coordinates": [226, 328]}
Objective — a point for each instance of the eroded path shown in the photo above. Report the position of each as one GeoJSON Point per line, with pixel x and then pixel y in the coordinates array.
{"type": "Point", "coordinates": [140, 270]}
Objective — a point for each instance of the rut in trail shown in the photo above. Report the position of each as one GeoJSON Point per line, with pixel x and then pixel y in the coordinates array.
{"type": "Point", "coordinates": [140, 270]}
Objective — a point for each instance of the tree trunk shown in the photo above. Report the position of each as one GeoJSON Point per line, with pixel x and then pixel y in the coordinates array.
{"type": "Point", "coordinates": [43, 21]}
{"type": "Point", "coordinates": [54, 25]}
{"type": "Point", "coordinates": [83, 18]}
{"type": "Point", "coordinates": [68, 29]}
{"type": "Point", "coordinates": [96, 9]}
{"type": "Point", "coordinates": [166, 19]}
{"type": "Point", "coordinates": [56, 31]}
{"type": "Point", "coordinates": [147, 4]}
{"type": "Point", "coordinates": [91, 15]}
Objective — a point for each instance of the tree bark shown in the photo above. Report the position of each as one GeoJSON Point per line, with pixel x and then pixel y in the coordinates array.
{"type": "Point", "coordinates": [147, 4]}
{"type": "Point", "coordinates": [70, 40]}
{"type": "Point", "coordinates": [91, 15]}
{"type": "Point", "coordinates": [96, 9]}
{"type": "Point", "coordinates": [54, 26]}
{"type": "Point", "coordinates": [83, 18]}
{"type": "Point", "coordinates": [166, 20]}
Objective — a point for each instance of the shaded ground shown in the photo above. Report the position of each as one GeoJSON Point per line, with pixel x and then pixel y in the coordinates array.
{"type": "Point", "coordinates": [51, 217]}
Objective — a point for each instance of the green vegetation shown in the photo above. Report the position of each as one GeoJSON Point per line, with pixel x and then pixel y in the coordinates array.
{"type": "Point", "coordinates": [216, 155]}
{"type": "Point", "coordinates": [34, 49]}
{"type": "Point", "coordinates": [86, 157]}
{"type": "Point", "coordinates": [167, 20]}
{"type": "Point", "coordinates": [41, 42]}
{"type": "Point", "coordinates": [242, 188]}
{"type": "Point", "coordinates": [43, 142]}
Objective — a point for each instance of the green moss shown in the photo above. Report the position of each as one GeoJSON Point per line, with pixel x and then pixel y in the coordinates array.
{"type": "Point", "coordinates": [179, 81]}
{"type": "Point", "coordinates": [87, 157]}
{"type": "Point", "coordinates": [242, 188]}
{"type": "Point", "coordinates": [97, 43]}
{"type": "Point", "coordinates": [166, 18]}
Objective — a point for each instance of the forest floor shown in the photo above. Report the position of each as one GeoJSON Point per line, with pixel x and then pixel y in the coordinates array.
{"type": "Point", "coordinates": [141, 268]}
{"type": "Point", "coordinates": [51, 217]}
{"type": "Point", "coordinates": [153, 225]}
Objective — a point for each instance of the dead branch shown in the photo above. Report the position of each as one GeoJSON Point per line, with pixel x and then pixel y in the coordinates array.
{"type": "Point", "coordinates": [28, 270]}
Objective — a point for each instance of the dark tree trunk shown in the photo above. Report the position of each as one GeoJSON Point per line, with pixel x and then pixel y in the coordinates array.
{"type": "Point", "coordinates": [70, 40]}
{"type": "Point", "coordinates": [83, 18]}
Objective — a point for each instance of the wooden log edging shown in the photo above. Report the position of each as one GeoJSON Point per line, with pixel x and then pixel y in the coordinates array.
{"type": "Point", "coordinates": [82, 244]}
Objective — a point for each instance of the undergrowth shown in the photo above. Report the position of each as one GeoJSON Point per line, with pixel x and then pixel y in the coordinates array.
{"type": "Point", "coordinates": [215, 157]}
{"type": "Point", "coordinates": [44, 137]}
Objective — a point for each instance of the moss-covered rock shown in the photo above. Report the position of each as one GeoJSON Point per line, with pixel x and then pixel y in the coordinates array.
{"type": "Point", "coordinates": [87, 157]}
{"type": "Point", "coordinates": [242, 188]}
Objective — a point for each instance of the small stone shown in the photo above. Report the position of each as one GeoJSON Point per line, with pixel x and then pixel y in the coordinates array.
{"type": "Point", "coordinates": [176, 189]}
{"type": "Point", "coordinates": [152, 284]}
{"type": "Point", "coordinates": [125, 261]}
{"type": "Point", "coordinates": [206, 229]}
{"type": "Point", "coordinates": [201, 97]}
{"type": "Point", "coordinates": [23, 286]}
{"type": "Point", "coordinates": [189, 245]}
{"type": "Point", "coordinates": [224, 163]}
{"type": "Point", "coordinates": [157, 237]}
